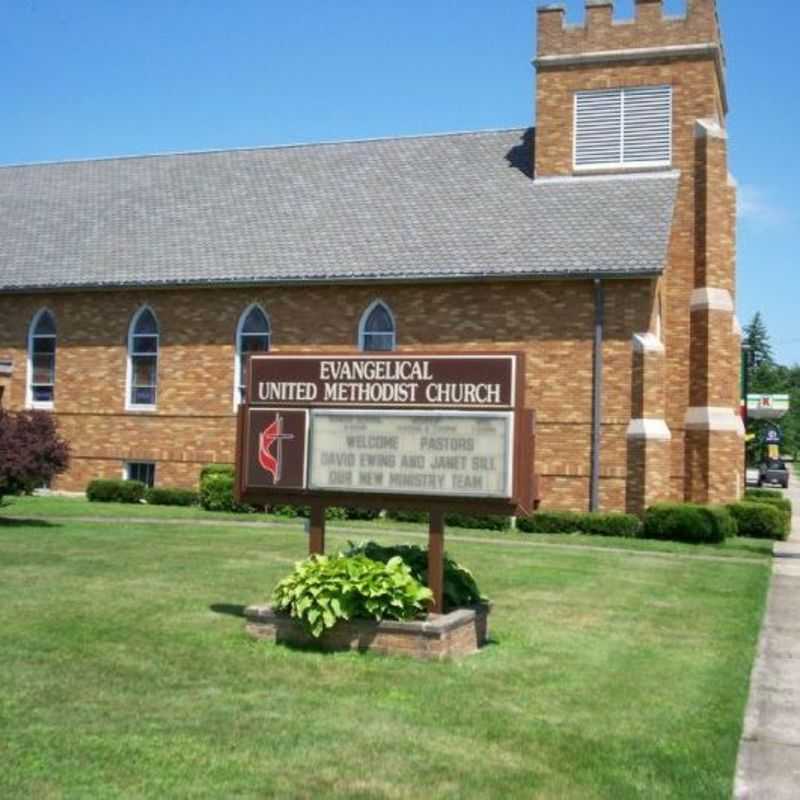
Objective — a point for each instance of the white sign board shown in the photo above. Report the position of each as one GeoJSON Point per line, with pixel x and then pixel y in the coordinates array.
{"type": "Point", "coordinates": [412, 452]}
{"type": "Point", "coordinates": [767, 406]}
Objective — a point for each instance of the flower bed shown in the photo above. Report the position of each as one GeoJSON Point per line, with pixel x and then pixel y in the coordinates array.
{"type": "Point", "coordinates": [457, 634]}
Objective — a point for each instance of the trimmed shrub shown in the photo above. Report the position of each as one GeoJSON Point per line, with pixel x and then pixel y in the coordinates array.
{"type": "Point", "coordinates": [484, 522]}
{"type": "Point", "coordinates": [591, 523]}
{"type": "Point", "coordinates": [724, 520]}
{"type": "Point", "coordinates": [217, 469]}
{"type": "Point", "coordinates": [688, 522]}
{"type": "Point", "coordinates": [115, 491]}
{"type": "Point", "coordinates": [762, 494]}
{"type": "Point", "coordinates": [362, 513]}
{"type": "Point", "coordinates": [164, 496]}
{"type": "Point", "coordinates": [551, 522]}
{"type": "Point", "coordinates": [477, 522]}
{"type": "Point", "coordinates": [460, 588]}
{"type": "Point", "coordinates": [408, 516]}
{"type": "Point", "coordinates": [216, 494]}
{"type": "Point", "coordinates": [759, 520]}
{"type": "Point", "coordinates": [777, 499]}
{"type": "Point", "coordinates": [325, 589]}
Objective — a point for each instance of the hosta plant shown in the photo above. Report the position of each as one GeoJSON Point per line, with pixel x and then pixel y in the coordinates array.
{"type": "Point", "coordinates": [326, 589]}
{"type": "Point", "coordinates": [460, 588]}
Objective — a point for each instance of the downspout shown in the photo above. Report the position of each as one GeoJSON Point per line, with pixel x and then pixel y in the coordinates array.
{"type": "Point", "coordinates": [597, 395]}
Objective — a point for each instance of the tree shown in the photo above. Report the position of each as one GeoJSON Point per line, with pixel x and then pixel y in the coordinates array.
{"type": "Point", "coordinates": [757, 339]}
{"type": "Point", "coordinates": [31, 451]}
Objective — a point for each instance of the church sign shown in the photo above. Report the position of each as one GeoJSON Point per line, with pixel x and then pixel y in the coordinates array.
{"type": "Point", "coordinates": [387, 430]}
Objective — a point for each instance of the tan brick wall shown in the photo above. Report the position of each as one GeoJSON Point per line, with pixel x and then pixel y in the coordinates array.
{"type": "Point", "coordinates": [705, 452]}
{"type": "Point", "coordinates": [552, 321]}
{"type": "Point", "coordinates": [648, 474]}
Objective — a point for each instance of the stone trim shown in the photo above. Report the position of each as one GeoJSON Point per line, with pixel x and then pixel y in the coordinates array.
{"type": "Point", "coordinates": [652, 429]}
{"type": "Point", "coordinates": [713, 418]}
{"type": "Point", "coordinates": [658, 174]}
{"type": "Point", "coordinates": [648, 343]}
{"type": "Point", "coordinates": [737, 327]}
{"type": "Point", "coordinates": [710, 299]}
{"type": "Point", "coordinates": [709, 128]}
{"type": "Point", "coordinates": [629, 54]}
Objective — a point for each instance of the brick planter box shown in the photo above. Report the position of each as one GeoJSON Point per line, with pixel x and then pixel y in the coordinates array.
{"type": "Point", "coordinates": [438, 636]}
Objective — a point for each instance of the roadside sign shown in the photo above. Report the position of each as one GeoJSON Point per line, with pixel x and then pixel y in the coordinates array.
{"type": "Point", "coordinates": [391, 430]}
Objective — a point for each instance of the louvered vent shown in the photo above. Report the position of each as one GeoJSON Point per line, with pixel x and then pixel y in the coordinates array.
{"type": "Point", "coordinates": [623, 127]}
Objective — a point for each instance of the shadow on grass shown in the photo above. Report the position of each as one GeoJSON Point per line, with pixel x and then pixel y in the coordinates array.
{"type": "Point", "coordinates": [21, 522]}
{"type": "Point", "coordinates": [231, 609]}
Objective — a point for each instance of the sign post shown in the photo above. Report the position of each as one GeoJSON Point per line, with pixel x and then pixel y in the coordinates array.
{"type": "Point", "coordinates": [435, 432]}
{"type": "Point", "coordinates": [436, 561]}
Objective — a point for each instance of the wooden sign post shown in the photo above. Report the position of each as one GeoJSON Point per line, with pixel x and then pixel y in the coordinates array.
{"type": "Point", "coordinates": [396, 431]}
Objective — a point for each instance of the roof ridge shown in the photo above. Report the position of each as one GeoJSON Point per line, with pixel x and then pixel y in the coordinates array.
{"type": "Point", "coordinates": [258, 148]}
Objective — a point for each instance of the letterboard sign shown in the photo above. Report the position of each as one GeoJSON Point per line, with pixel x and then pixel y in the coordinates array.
{"type": "Point", "coordinates": [387, 430]}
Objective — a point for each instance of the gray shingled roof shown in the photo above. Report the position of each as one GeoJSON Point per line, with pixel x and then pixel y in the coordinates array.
{"type": "Point", "coordinates": [436, 207]}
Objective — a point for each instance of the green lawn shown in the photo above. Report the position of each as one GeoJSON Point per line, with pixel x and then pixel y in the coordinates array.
{"type": "Point", "coordinates": [126, 673]}
{"type": "Point", "coordinates": [72, 507]}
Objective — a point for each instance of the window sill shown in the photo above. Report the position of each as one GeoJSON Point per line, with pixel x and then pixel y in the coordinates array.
{"type": "Point", "coordinates": [611, 169]}
{"type": "Point", "coordinates": [141, 409]}
{"type": "Point", "coordinates": [41, 406]}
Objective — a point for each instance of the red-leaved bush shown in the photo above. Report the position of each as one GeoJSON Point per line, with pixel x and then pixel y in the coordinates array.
{"type": "Point", "coordinates": [31, 451]}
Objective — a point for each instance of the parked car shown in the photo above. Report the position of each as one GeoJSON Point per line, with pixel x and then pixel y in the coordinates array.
{"type": "Point", "coordinates": [773, 471]}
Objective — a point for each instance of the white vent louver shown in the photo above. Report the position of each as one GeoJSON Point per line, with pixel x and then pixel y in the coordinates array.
{"type": "Point", "coordinates": [623, 127]}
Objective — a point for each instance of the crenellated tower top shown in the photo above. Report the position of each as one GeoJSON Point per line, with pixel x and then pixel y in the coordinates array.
{"type": "Point", "coordinates": [649, 29]}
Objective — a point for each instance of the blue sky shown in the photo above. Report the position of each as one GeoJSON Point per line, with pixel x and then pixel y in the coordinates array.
{"type": "Point", "coordinates": [81, 79]}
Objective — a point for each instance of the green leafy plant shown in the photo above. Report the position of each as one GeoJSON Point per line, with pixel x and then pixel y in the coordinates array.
{"type": "Point", "coordinates": [217, 469]}
{"type": "Point", "coordinates": [324, 590]}
{"type": "Point", "coordinates": [688, 522]}
{"type": "Point", "coordinates": [332, 513]}
{"type": "Point", "coordinates": [595, 524]}
{"type": "Point", "coordinates": [760, 520]}
{"type": "Point", "coordinates": [115, 491]}
{"type": "Point", "coordinates": [166, 496]}
{"type": "Point", "coordinates": [216, 494]}
{"type": "Point", "coordinates": [460, 588]}
{"type": "Point", "coordinates": [362, 513]}
{"type": "Point", "coordinates": [777, 499]}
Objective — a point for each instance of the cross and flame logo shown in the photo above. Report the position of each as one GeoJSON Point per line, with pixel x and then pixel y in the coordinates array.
{"type": "Point", "coordinates": [273, 436]}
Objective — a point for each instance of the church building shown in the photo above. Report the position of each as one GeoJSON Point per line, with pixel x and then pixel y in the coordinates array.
{"type": "Point", "coordinates": [601, 244]}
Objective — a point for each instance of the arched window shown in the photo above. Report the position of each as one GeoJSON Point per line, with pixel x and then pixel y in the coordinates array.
{"type": "Point", "coordinates": [376, 332]}
{"type": "Point", "coordinates": [252, 336]}
{"type": "Point", "coordinates": [42, 360]}
{"type": "Point", "coordinates": [142, 360]}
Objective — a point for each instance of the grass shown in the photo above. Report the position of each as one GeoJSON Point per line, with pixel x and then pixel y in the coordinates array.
{"type": "Point", "coordinates": [126, 673]}
{"type": "Point", "coordinates": [73, 507]}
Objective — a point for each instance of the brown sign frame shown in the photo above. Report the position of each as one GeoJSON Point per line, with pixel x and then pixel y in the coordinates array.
{"type": "Point", "coordinates": [524, 493]}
